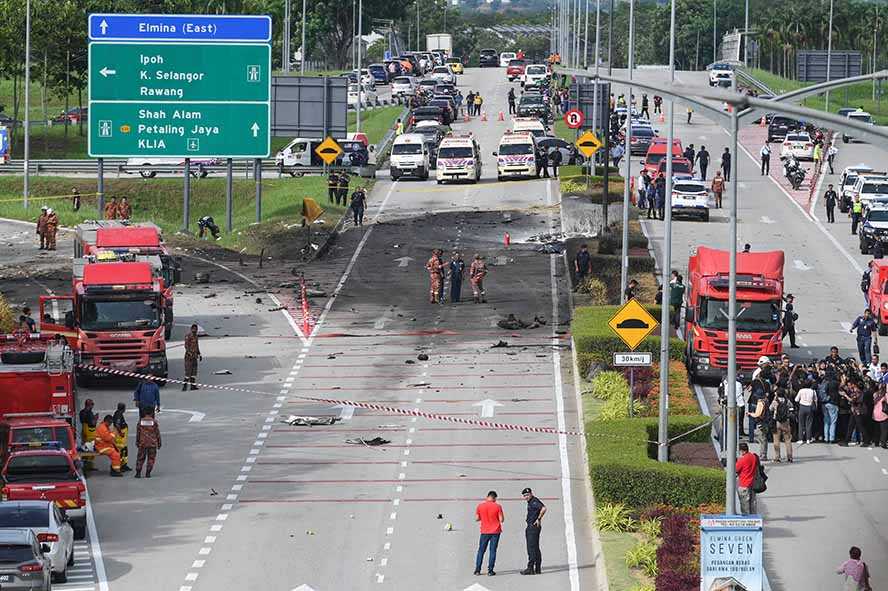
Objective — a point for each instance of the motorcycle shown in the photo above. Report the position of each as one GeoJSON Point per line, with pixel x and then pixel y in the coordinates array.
{"type": "Point", "coordinates": [793, 172]}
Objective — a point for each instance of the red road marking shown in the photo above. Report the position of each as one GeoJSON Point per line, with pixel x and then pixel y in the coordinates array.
{"type": "Point", "coordinates": [434, 375]}
{"type": "Point", "coordinates": [424, 388]}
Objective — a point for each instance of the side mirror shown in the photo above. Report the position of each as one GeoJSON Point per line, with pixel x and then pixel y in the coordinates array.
{"type": "Point", "coordinates": [45, 548]}
{"type": "Point", "coordinates": [689, 314]}
{"type": "Point", "coordinates": [495, 154]}
{"type": "Point", "coordinates": [372, 148]}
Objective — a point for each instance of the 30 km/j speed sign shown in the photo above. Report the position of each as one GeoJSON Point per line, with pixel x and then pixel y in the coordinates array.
{"type": "Point", "coordinates": [574, 118]}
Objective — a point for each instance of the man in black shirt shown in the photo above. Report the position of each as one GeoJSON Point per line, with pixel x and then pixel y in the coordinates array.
{"type": "Point", "coordinates": [703, 161]}
{"type": "Point", "coordinates": [582, 264]}
{"type": "Point", "coordinates": [726, 165]}
{"type": "Point", "coordinates": [535, 511]}
{"type": "Point", "coordinates": [830, 198]}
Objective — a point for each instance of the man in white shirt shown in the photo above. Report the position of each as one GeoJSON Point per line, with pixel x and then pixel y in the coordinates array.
{"type": "Point", "coordinates": [875, 368]}
{"type": "Point", "coordinates": [765, 154]}
{"type": "Point", "coordinates": [831, 157]}
{"type": "Point", "coordinates": [806, 399]}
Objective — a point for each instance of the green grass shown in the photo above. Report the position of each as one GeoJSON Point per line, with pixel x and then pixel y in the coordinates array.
{"type": "Point", "coordinates": [160, 201]}
{"type": "Point", "coordinates": [376, 122]}
{"type": "Point", "coordinates": [857, 95]}
{"type": "Point", "coordinates": [615, 545]}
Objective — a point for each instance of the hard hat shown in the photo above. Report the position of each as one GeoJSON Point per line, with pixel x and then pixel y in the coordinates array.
{"type": "Point", "coordinates": [44, 208]}
{"type": "Point", "coordinates": [764, 360]}
{"type": "Point", "coordinates": [49, 210]}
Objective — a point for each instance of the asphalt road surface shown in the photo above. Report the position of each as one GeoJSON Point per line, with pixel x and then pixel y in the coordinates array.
{"type": "Point", "coordinates": [239, 499]}
{"type": "Point", "coordinates": [832, 497]}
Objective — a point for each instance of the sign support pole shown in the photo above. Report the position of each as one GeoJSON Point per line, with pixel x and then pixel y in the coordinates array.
{"type": "Point", "coordinates": [186, 197]}
{"type": "Point", "coordinates": [257, 164]}
{"type": "Point", "coordinates": [100, 189]}
{"type": "Point", "coordinates": [229, 197]}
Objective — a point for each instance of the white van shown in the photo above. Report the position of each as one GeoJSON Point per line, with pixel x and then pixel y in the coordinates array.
{"type": "Point", "coordinates": [506, 57]}
{"type": "Point", "coordinates": [529, 124]}
{"type": "Point", "coordinates": [516, 156]}
{"type": "Point", "coordinates": [298, 153]}
{"type": "Point", "coordinates": [409, 157]}
{"type": "Point", "coordinates": [403, 86]}
{"type": "Point", "coordinates": [459, 157]}
{"type": "Point", "coordinates": [534, 74]}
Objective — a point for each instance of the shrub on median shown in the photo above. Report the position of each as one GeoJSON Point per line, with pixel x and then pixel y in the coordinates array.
{"type": "Point", "coordinates": [624, 468]}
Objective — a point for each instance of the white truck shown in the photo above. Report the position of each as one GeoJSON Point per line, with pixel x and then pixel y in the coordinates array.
{"type": "Point", "coordinates": [442, 41]}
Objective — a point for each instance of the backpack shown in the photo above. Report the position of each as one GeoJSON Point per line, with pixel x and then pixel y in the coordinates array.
{"type": "Point", "coordinates": [783, 410]}
{"type": "Point", "coordinates": [760, 478]}
{"type": "Point", "coordinates": [822, 392]}
{"type": "Point", "coordinates": [865, 281]}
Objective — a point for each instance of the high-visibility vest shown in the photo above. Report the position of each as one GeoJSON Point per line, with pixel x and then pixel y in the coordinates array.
{"type": "Point", "coordinates": [857, 207]}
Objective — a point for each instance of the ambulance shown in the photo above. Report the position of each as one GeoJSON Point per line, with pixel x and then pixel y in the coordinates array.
{"type": "Point", "coordinates": [516, 156]}
{"type": "Point", "coordinates": [459, 158]}
{"type": "Point", "coordinates": [531, 124]}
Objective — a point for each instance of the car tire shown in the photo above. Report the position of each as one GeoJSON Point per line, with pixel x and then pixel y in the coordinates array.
{"type": "Point", "coordinates": [706, 217]}
{"type": "Point", "coordinates": [61, 577]}
{"type": "Point", "coordinates": [863, 248]}
{"type": "Point", "coordinates": [440, 182]}
{"type": "Point", "coordinates": [147, 174]}
{"type": "Point", "coordinates": [692, 375]}
{"type": "Point", "coordinates": [844, 139]}
{"type": "Point", "coordinates": [295, 173]}
{"type": "Point", "coordinates": [71, 558]}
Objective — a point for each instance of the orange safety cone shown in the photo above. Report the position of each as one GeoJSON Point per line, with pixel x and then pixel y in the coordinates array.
{"type": "Point", "coordinates": [762, 121]}
{"type": "Point", "coordinates": [507, 239]}
{"type": "Point", "coordinates": [466, 118]}
{"type": "Point", "coordinates": [500, 118]}
{"type": "Point", "coordinates": [483, 115]}
{"type": "Point", "coordinates": [662, 117]}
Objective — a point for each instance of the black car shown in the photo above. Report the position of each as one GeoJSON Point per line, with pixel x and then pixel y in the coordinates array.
{"type": "Point", "coordinates": [447, 108]}
{"type": "Point", "coordinates": [354, 153]}
{"type": "Point", "coordinates": [489, 58]}
{"type": "Point", "coordinates": [874, 229]}
{"type": "Point", "coordinates": [431, 133]}
{"type": "Point", "coordinates": [641, 139]}
{"type": "Point", "coordinates": [780, 126]}
{"type": "Point", "coordinates": [430, 113]}
{"type": "Point", "coordinates": [569, 153]}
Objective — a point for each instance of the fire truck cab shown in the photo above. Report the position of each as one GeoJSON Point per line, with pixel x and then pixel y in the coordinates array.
{"type": "Point", "coordinates": [759, 302]}
{"type": "Point", "coordinates": [36, 376]}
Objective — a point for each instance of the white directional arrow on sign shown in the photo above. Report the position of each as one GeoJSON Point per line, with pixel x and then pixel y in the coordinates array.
{"type": "Point", "coordinates": [346, 412]}
{"type": "Point", "coordinates": [304, 588]}
{"type": "Point", "coordinates": [487, 407]}
{"type": "Point", "coordinates": [255, 129]}
{"type": "Point", "coordinates": [104, 26]}
{"type": "Point", "coordinates": [403, 261]}
{"type": "Point", "coordinates": [475, 587]}
{"type": "Point", "coordinates": [107, 72]}
{"type": "Point", "coordinates": [800, 265]}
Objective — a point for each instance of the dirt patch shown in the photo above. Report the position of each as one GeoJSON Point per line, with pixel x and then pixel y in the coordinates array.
{"type": "Point", "coordinates": [694, 454]}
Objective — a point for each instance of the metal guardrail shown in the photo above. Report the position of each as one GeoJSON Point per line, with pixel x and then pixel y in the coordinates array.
{"type": "Point", "coordinates": [118, 166]}
{"type": "Point", "coordinates": [749, 80]}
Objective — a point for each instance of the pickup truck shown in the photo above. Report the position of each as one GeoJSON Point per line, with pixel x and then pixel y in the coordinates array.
{"type": "Point", "coordinates": [47, 475]}
{"type": "Point", "coordinates": [19, 432]}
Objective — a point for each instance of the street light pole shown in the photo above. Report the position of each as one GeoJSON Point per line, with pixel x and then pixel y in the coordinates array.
{"type": "Point", "coordinates": [731, 386]}
{"type": "Point", "coordinates": [303, 53]}
{"type": "Point", "coordinates": [610, 38]}
{"type": "Point", "coordinates": [714, 27]}
{"type": "Point", "coordinates": [285, 46]}
{"type": "Point", "coordinates": [586, 40]}
{"type": "Point", "coordinates": [663, 424]}
{"type": "Point", "coordinates": [27, 129]}
{"type": "Point", "coordinates": [746, 36]}
{"type": "Point", "coordinates": [360, 83]}
{"type": "Point", "coordinates": [595, 88]}
{"type": "Point", "coordinates": [829, 54]}
{"type": "Point", "coordinates": [624, 254]}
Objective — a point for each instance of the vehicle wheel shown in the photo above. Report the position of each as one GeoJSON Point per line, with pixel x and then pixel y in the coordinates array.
{"type": "Point", "coordinates": [692, 375]}
{"type": "Point", "coordinates": [499, 178]}
{"type": "Point", "coordinates": [61, 577]}
{"type": "Point", "coordinates": [844, 139]}
{"type": "Point", "coordinates": [440, 182]}
{"type": "Point", "coordinates": [863, 248]}
{"type": "Point", "coordinates": [296, 173]}
{"type": "Point", "coordinates": [147, 174]}
{"type": "Point", "coordinates": [79, 530]}
{"type": "Point", "coordinates": [71, 558]}
{"type": "Point", "coordinates": [706, 217]}
{"type": "Point", "coordinates": [168, 332]}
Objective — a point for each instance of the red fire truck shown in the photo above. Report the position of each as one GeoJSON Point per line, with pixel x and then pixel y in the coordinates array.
{"type": "Point", "coordinates": [759, 301]}
{"type": "Point", "coordinates": [36, 376]}
{"type": "Point", "coordinates": [144, 241]}
{"type": "Point", "coordinates": [114, 317]}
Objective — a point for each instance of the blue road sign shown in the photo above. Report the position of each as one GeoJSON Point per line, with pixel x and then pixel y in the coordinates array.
{"type": "Point", "coordinates": [172, 27]}
{"type": "Point", "coordinates": [387, 55]}
{"type": "Point", "coordinates": [4, 141]}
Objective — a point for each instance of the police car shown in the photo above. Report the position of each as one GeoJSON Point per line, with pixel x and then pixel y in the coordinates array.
{"type": "Point", "coordinates": [690, 197]}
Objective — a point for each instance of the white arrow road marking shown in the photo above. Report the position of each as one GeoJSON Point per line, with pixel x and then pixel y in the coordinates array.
{"type": "Point", "coordinates": [476, 587]}
{"type": "Point", "coordinates": [304, 588]}
{"type": "Point", "coordinates": [403, 261]}
{"type": "Point", "coordinates": [104, 26]}
{"type": "Point", "coordinates": [380, 323]}
{"type": "Point", "coordinates": [196, 416]}
{"type": "Point", "coordinates": [800, 265]}
{"type": "Point", "coordinates": [107, 72]}
{"type": "Point", "coordinates": [767, 220]}
{"type": "Point", "coordinates": [488, 407]}
{"type": "Point", "coordinates": [346, 412]}
{"type": "Point", "coordinates": [255, 129]}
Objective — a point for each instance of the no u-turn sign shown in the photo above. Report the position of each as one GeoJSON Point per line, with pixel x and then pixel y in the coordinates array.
{"type": "Point", "coordinates": [574, 118]}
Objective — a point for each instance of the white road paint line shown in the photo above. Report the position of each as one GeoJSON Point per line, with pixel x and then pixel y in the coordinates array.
{"type": "Point", "coordinates": [255, 451]}
{"type": "Point", "coordinates": [274, 412]}
{"type": "Point", "coordinates": [287, 386]}
{"type": "Point", "coordinates": [403, 464]}
{"type": "Point", "coordinates": [301, 356]}
{"type": "Point", "coordinates": [94, 545]}
{"type": "Point", "coordinates": [251, 460]}
{"type": "Point", "coordinates": [393, 516]}
{"type": "Point", "coordinates": [401, 476]}
{"type": "Point", "coordinates": [290, 379]}
{"type": "Point", "coordinates": [210, 540]}
{"type": "Point", "coordinates": [379, 324]}
{"type": "Point", "coordinates": [205, 551]}
{"type": "Point", "coordinates": [885, 471]}
{"type": "Point", "coordinates": [389, 531]}
{"type": "Point", "coordinates": [245, 469]}
{"type": "Point", "coordinates": [216, 528]}
{"type": "Point", "coordinates": [191, 577]}
{"type": "Point", "coordinates": [182, 588]}
{"type": "Point", "coordinates": [198, 563]}
{"type": "Point", "coordinates": [396, 502]}
{"type": "Point", "coordinates": [258, 443]}
{"type": "Point", "coordinates": [411, 430]}
{"type": "Point", "coordinates": [877, 460]}
{"type": "Point", "coordinates": [237, 487]}
{"type": "Point", "coordinates": [408, 442]}
{"type": "Point", "coordinates": [224, 516]}
{"type": "Point", "coordinates": [227, 507]}
{"type": "Point", "coordinates": [383, 562]}
{"type": "Point", "coordinates": [266, 427]}
{"type": "Point", "coordinates": [766, 220]}
{"type": "Point", "coordinates": [231, 497]}
{"type": "Point", "coordinates": [387, 546]}
{"type": "Point", "coordinates": [281, 398]}
{"type": "Point", "coordinates": [800, 265]}
{"type": "Point", "coordinates": [566, 493]}
{"type": "Point", "coordinates": [419, 401]}
{"type": "Point", "coordinates": [277, 405]}
{"type": "Point", "coordinates": [399, 488]}
{"type": "Point", "coordinates": [269, 420]}
{"type": "Point", "coordinates": [406, 452]}
{"type": "Point", "coordinates": [380, 578]}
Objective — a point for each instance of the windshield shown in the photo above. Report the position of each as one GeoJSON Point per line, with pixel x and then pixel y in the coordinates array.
{"type": "Point", "coordinates": [441, 70]}
{"type": "Point", "coordinates": [534, 70]}
{"type": "Point", "coordinates": [721, 66]}
{"type": "Point", "coordinates": [401, 149]}
{"type": "Point", "coordinates": [455, 152]}
{"type": "Point", "coordinates": [851, 179]}
{"type": "Point", "coordinates": [688, 188]}
{"type": "Point", "coordinates": [516, 62]}
{"type": "Point", "coordinates": [401, 81]}
{"type": "Point", "coordinates": [678, 166]}
{"type": "Point", "coordinates": [28, 435]}
{"type": "Point", "coordinates": [40, 468]}
{"type": "Point", "coordinates": [531, 101]}
{"type": "Point", "coordinates": [15, 554]}
{"type": "Point", "coordinates": [874, 188]}
{"type": "Point", "coordinates": [642, 132]}
{"type": "Point", "coordinates": [878, 215]}
{"type": "Point", "coordinates": [798, 138]}
{"type": "Point", "coordinates": [24, 516]}
{"type": "Point", "coordinates": [751, 316]}
{"type": "Point", "coordinates": [515, 149]}
{"type": "Point", "coordinates": [863, 118]}
{"type": "Point", "coordinates": [106, 314]}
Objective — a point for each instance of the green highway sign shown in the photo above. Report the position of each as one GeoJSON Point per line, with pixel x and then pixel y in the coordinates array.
{"type": "Point", "coordinates": [213, 72]}
{"type": "Point", "coordinates": [179, 129]}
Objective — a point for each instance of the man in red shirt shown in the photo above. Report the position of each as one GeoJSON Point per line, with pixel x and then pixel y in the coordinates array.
{"type": "Point", "coordinates": [490, 514]}
{"type": "Point", "coordinates": [745, 467]}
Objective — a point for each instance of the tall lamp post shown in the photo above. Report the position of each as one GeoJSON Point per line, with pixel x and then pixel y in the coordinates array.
{"type": "Point", "coordinates": [27, 129]}
{"type": "Point", "coordinates": [624, 258]}
{"type": "Point", "coordinates": [829, 54]}
{"type": "Point", "coordinates": [360, 84]}
{"type": "Point", "coordinates": [303, 52]}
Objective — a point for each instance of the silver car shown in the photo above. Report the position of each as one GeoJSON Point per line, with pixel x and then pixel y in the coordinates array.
{"type": "Point", "coordinates": [50, 526]}
{"type": "Point", "coordinates": [24, 564]}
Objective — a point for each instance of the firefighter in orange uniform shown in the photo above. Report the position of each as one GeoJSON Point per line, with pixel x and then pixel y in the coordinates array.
{"type": "Point", "coordinates": [436, 272]}
{"type": "Point", "coordinates": [477, 272]}
{"type": "Point", "coordinates": [106, 444]}
{"type": "Point", "coordinates": [111, 209]}
{"type": "Point", "coordinates": [41, 227]}
{"type": "Point", "coordinates": [124, 210]}
{"type": "Point", "coordinates": [52, 228]}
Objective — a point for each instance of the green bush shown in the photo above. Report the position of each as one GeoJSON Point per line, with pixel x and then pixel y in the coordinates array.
{"type": "Point", "coordinates": [610, 385]}
{"type": "Point", "coordinates": [650, 528]}
{"type": "Point", "coordinates": [596, 342]}
{"type": "Point", "coordinates": [611, 242]}
{"type": "Point", "coordinates": [616, 409]}
{"type": "Point", "coordinates": [614, 517]}
{"type": "Point", "coordinates": [609, 265]}
{"type": "Point", "coordinates": [596, 289]}
{"type": "Point", "coordinates": [643, 557]}
{"type": "Point", "coordinates": [624, 469]}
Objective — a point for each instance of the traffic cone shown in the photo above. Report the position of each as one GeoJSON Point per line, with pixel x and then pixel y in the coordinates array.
{"type": "Point", "coordinates": [507, 239]}
{"type": "Point", "coordinates": [483, 115]}
{"type": "Point", "coordinates": [466, 117]}
{"type": "Point", "coordinates": [662, 117]}
{"type": "Point", "coordinates": [500, 118]}
{"type": "Point", "coordinates": [762, 121]}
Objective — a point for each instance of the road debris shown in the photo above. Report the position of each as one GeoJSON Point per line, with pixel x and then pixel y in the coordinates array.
{"type": "Point", "coordinates": [409, 362]}
{"type": "Point", "coordinates": [278, 309]}
{"type": "Point", "coordinates": [371, 442]}
{"type": "Point", "coordinates": [513, 323]}
{"type": "Point", "coordinates": [222, 372]}
{"type": "Point", "coordinates": [258, 300]}
{"type": "Point", "coordinates": [202, 277]}
{"type": "Point", "coordinates": [551, 248]}
{"type": "Point", "coordinates": [309, 421]}
{"type": "Point", "coordinates": [421, 385]}
{"type": "Point", "coordinates": [423, 357]}
{"type": "Point", "coordinates": [448, 527]}
{"type": "Point", "coordinates": [209, 295]}
{"type": "Point", "coordinates": [315, 293]}
{"type": "Point", "coordinates": [499, 344]}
